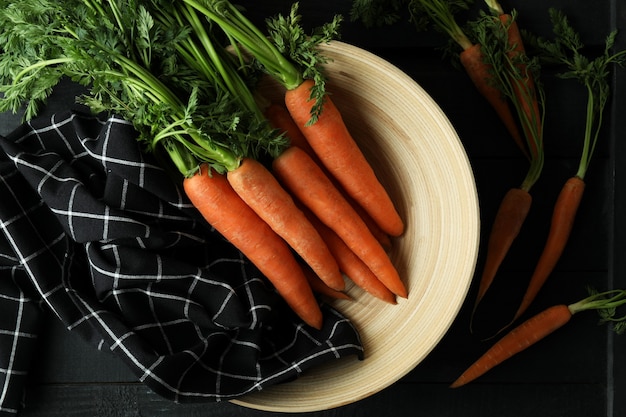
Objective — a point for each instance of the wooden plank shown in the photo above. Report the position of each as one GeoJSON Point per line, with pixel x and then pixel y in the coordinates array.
{"type": "Point", "coordinates": [402, 399]}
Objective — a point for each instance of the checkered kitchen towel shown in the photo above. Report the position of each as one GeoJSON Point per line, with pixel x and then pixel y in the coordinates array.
{"type": "Point", "coordinates": [97, 233]}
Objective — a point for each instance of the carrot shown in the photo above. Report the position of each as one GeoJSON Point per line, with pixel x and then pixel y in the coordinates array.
{"type": "Point", "coordinates": [479, 73]}
{"type": "Point", "coordinates": [332, 142]}
{"type": "Point", "coordinates": [561, 226]}
{"type": "Point", "coordinates": [350, 264]}
{"type": "Point", "coordinates": [320, 196]}
{"type": "Point", "coordinates": [279, 118]}
{"type": "Point", "coordinates": [509, 219]}
{"type": "Point", "coordinates": [318, 286]}
{"type": "Point", "coordinates": [520, 338]}
{"type": "Point", "coordinates": [215, 199]}
{"type": "Point", "coordinates": [261, 191]}
{"type": "Point", "coordinates": [541, 325]}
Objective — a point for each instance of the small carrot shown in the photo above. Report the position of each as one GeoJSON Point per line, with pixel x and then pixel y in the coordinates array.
{"type": "Point", "coordinates": [279, 118]}
{"type": "Point", "coordinates": [215, 199]}
{"type": "Point", "coordinates": [509, 219]}
{"type": "Point", "coordinates": [593, 75]}
{"type": "Point", "coordinates": [541, 325]}
{"type": "Point", "coordinates": [350, 264]}
{"type": "Point", "coordinates": [256, 185]}
{"type": "Point", "coordinates": [333, 144]}
{"type": "Point", "coordinates": [561, 226]}
{"type": "Point", "coordinates": [320, 196]}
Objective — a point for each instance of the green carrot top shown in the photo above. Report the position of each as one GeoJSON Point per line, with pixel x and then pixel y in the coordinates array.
{"type": "Point", "coordinates": [567, 50]}
{"type": "Point", "coordinates": [286, 53]}
{"type": "Point", "coordinates": [131, 63]}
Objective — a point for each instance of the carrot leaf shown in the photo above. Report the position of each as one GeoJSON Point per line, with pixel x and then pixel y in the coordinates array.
{"type": "Point", "coordinates": [378, 12]}
{"type": "Point", "coordinates": [567, 50]}
{"type": "Point", "coordinates": [302, 49]}
{"type": "Point", "coordinates": [606, 303]}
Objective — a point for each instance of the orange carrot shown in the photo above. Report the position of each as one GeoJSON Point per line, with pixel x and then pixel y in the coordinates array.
{"type": "Point", "coordinates": [279, 118]}
{"type": "Point", "coordinates": [332, 142]}
{"type": "Point", "coordinates": [215, 199]}
{"type": "Point", "coordinates": [350, 264]}
{"type": "Point", "coordinates": [318, 286]}
{"type": "Point", "coordinates": [262, 192]}
{"type": "Point", "coordinates": [480, 74]}
{"type": "Point", "coordinates": [561, 225]}
{"type": "Point", "coordinates": [307, 182]}
{"type": "Point", "coordinates": [506, 226]}
{"type": "Point", "coordinates": [541, 325]}
{"type": "Point", "coordinates": [520, 338]}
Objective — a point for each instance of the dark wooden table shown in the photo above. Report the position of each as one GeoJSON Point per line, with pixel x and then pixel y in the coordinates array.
{"type": "Point", "coordinates": [577, 372]}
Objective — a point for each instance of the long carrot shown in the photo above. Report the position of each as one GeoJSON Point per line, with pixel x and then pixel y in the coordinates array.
{"type": "Point", "coordinates": [561, 226]}
{"type": "Point", "coordinates": [215, 199]}
{"type": "Point", "coordinates": [256, 185]}
{"type": "Point", "coordinates": [541, 325]}
{"type": "Point", "coordinates": [593, 75]}
{"type": "Point", "coordinates": [332, 142]}
{"type": "Point", "coordinates": [509, 219]}
{"type": "Point", "coordinates": [320, 196]}
{"type": "Point", "coordinates": [350, 264]}
{"type": "Point", "coordinates": [279, 118]}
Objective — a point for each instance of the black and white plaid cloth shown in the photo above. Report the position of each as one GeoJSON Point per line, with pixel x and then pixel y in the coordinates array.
{"type": "Point", "coordinates": [95, 232]}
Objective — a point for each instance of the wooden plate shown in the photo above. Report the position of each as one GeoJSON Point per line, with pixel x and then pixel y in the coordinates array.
{"type": "Point", "coordinates": [418, 156]}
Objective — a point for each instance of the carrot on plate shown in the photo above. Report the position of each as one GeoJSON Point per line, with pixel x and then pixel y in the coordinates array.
{"type": "Point", "coordinates": [350, 264]}
{"type": "Point", "coordinates": [256, 185]}
{"type": "Point", "coordinates": [279, 117]}
{"type": "Point", "coordinates": [218, 203]}
{"type": "Point", "coordinates": [307, 182]}
{"type": "Point", "coordinates": [340, 154]}
{"type": "Point", "coordinates": [541, 325]}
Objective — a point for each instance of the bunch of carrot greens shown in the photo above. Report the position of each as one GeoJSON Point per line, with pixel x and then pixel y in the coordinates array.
{"type": "Point", "coordinates": [164, 67]}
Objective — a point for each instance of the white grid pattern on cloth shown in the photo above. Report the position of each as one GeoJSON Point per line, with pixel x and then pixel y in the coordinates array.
{"type": "Point", "coordinates": [98, 233]}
